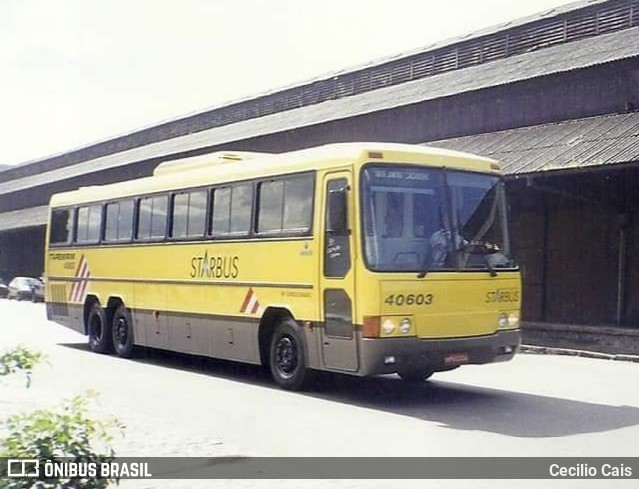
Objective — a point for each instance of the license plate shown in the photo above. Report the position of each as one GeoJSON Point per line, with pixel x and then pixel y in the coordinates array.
{"type": "Point", "coordinates": [456, 358]}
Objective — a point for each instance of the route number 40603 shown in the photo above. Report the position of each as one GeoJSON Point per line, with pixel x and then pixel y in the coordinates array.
{"type": "Point", "coordinates": [409, 299]}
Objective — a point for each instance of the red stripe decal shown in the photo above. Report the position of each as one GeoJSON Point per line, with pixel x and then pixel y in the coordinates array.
{"type": "Point", "coordinates": [83, 288]}
{"type": "Point", "coordinates": [80, 265]}
{"type": "Point", "coordinates": [78, 287]}
{"type": "Point", "coordinates": [247, 299]}
{"type": "Point", "coordinates": [74, 288]}
{"type": "Point", "coordinates": [72, 292]}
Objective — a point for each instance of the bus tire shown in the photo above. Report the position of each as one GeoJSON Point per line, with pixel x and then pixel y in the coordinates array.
{"type": "Point", "coordinates": [416, 375]}
{"type": "Point", "coordinates": [99, 330]}
{"type": "Point", "coordinates": [122, 328]}
{"type": "Point", "coordinates": [287, 356]}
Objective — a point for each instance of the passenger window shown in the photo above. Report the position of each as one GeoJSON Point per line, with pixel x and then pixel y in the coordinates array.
{"type": "Point", "coordinates": [180, 215]}
{"type": "Point", "coordinates": [152, 217]}
{"type": "Point", "coordinates": [286, 205]}
{"type": "Point", "coordinates": [118, 224]}
{"type": "Point", "coordinates": [298, 204]}
{"type": "Point", "coordinates": [241, 207]}
{"type": "Point", "coordinates": [89, 220]}
{"type": "Point", "coordinates": [232, 208]}
{"type": "Point", "coordinates": [189, 214]}
{"type": "Point", "coordinates": [61, 226]}
{"type": "Point", "coordinates": [221, 211]}
{"type": "Point", "coordinates": [270, 207]}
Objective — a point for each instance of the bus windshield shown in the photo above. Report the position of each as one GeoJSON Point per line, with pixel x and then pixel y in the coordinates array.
{"type": "Point", "coordinates": [423, 219]}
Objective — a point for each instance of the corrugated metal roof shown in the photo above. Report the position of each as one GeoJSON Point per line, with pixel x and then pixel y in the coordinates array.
{"type": "Point", "coordinates": [601, 140]}
{"type": "Point", "coordinates": [567, 57]}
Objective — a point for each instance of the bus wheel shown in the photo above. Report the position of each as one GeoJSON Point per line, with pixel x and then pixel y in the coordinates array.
{"type": "Point", "coordinates": [287, 357]}
{"type": "Point", "coordinates": [416, 374]}
{"type": "Point", "coordinates": [122, 332]}
{"type": "Point", "coordinates": [99, 330]}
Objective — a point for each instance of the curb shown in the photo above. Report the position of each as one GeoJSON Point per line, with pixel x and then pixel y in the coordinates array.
{"type": "Point", "coordinates": [546, 350]}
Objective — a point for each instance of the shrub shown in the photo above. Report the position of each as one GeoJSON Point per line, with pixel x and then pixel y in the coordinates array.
{"type": "Point", "coordinates": [20, 359]}
{"type": "Point", "coordinates": [64, 433]}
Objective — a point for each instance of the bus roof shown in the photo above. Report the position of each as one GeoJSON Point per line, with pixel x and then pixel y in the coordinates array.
{"type": "Point", "coordinates": [230, 166]}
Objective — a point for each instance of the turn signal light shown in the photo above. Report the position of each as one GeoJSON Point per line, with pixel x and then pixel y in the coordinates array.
{"type": "Point", "coordinates": [370, 327]}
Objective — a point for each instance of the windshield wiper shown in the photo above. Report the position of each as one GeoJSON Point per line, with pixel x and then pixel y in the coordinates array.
{"type": "Point", "coordinates": [426, 267]}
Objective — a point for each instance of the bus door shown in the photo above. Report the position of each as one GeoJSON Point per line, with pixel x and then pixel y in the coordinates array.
{"type": "Point", "coordinates": [339, 336]}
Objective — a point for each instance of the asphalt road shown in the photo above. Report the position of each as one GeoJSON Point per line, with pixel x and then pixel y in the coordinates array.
{"type": "Point", "coordinates": [179, 405]}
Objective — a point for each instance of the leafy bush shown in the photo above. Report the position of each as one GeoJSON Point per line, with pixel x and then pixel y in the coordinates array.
{"type": "Point", "coordinates": [66, 433]}
{"type": "Point", "coordinates": [20, 359]}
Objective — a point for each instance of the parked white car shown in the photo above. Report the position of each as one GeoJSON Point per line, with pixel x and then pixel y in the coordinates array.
{"type": "Point", "coordinates": [21, 288]}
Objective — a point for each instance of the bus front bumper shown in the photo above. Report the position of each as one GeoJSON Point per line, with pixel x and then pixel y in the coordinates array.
{"type": "Point", "coordinates": [389, 355]}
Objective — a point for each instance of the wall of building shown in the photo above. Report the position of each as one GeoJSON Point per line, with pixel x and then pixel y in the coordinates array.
{"type": "Point", "coordinates": [569, 232]}
{"type": "Point", "coordinates": [22, 252]}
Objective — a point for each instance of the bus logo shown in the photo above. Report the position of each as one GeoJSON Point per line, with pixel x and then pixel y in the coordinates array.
{"type": "Point", "coordinates": [82, 275]}
{"type": "Point", "coordinates": [251, 305]}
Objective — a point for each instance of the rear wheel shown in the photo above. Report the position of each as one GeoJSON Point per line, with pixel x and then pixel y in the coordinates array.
{"type": "Point", "coordinates": [287, 356]}
{"type": "Point", "coordinates": [99, 330]}
{"type": "Point", "coordinates": [416, 374]}
{"type": "Point", "coordinates": [122, 328]}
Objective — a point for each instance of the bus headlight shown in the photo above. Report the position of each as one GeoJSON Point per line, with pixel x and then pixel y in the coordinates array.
{"type": "Point", "coordinates": [405, 325]}
{"type": "Point", "coordinates": [513, 320]}
{"type": "Point", "coordinates": [388, 326]}
{"type": "Point", "coordinates": [503, 320]}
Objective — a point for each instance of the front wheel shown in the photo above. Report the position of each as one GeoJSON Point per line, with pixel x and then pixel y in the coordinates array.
{"type": "Point", "coordinates": [416, 375]}
{"type": "Point", "coordinates": [287, 358]}
{"type": "Point", "coordinates": [99, 330]}
{"type": "Point", "coordinates": [122, 328]}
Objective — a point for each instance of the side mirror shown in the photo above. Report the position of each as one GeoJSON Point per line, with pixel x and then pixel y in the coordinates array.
{"type": "Point", "coordinates": [337, 219]}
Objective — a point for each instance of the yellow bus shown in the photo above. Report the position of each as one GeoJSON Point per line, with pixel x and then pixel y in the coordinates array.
{"type": "Point", "coordinates": [360, 258]}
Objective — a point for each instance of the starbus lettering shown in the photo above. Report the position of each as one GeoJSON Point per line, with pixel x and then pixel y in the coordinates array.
{"type": "Point", "coordinates": [205, 266]}
{"type": "Point", "coordinates": [502, 295]}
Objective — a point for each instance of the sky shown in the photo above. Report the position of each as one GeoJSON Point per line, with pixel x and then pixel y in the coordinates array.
{"type": "Point", "coordinates": [73, 72]}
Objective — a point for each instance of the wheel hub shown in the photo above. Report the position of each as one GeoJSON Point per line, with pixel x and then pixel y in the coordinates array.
{"type": "Point", "coordinates": [97, 327]}
{"type": "Point", "coordinates": [121, 331]}
{"type": "Point", "coordinates": [286, 356]}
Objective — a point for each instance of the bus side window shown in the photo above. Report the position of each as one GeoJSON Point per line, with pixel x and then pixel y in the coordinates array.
{"type": "Point", "coordinates": [232, 207]}
{"type": "Point", "coordinates": [152, 217]}
{"type": "Point", "coordinates": [286, 205]}
{"type": "Point", "coordinates": [61, 226]}
{"type": "Point", "coordinates": [89, 221]}
{"type": "Point", "coordinates": [118, 224]}
{"type": "Point", "coordinates": [337, 253]}
{"type": "Point", "coordinates": [241, 207]}
{"type": "Point", "coordinates": [189, 214]}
